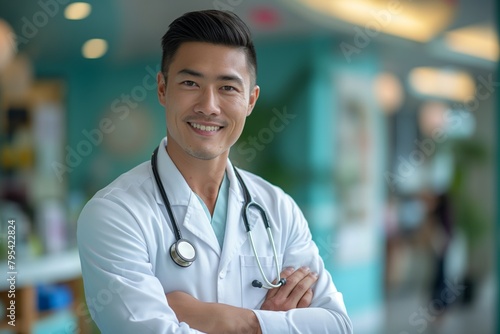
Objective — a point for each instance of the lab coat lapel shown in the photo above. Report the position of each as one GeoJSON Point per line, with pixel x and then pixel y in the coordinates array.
{"type": "Point", "coordinates": [175, 186]}
{"type": "Point", "coordinates": [236, 234]}
{"type": "Point", "coordinates": [196, 222]}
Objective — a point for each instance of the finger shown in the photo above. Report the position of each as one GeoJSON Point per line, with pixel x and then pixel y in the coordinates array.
{"type": "Point", "coordinates": [302, 287]}
{"type": "Point", "coordinates": [292, 280]}
{"type": "Point", "coordinates": [284, 274]}
{"type": "Point", "coordinates": [287, 272]}
{"type": "Point", "coordinates": [306, 299]}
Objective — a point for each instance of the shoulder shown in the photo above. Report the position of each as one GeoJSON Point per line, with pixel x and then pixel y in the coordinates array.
{"type": "Point", "coordinates": [283, 213]}
{"type": "Point", "coordinates": [127, 195]}
{"type": "Point", "coordinates": [135, 183]}
{"type": "Point", "coordinates": [265, 192]}
{"type": "Point", "coordinates": [257, 182]}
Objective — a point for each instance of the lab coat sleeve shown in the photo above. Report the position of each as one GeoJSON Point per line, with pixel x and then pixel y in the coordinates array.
{"type": "Point", "coordinates": [122, 293]}
{"type": "Point", "coordinates": [327, 313]}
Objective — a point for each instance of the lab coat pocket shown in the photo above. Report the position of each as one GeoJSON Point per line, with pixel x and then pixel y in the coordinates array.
{"type": "Point", "coordinates": [252, 297]}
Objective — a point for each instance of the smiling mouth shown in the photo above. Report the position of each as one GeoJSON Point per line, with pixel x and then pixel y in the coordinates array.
{"type": "Point", "coordinates": [207, 128]}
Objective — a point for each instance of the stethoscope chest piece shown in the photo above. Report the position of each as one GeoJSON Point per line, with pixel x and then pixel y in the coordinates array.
{"type": "Point", "coordinates": [183, 253]}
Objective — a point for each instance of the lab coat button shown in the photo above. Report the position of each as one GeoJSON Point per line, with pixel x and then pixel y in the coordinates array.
{"type": "Point", "coordinates": [222, 274]}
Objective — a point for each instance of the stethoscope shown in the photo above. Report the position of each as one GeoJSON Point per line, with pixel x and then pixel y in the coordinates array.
{"type": "Point", "coordinates": [183, 252]}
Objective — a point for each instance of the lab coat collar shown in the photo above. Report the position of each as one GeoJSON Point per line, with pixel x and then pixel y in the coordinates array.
{"type": "Point", "coordinates": [179, 193]}
{"type": "Point", "coordinates": [175, 184]}
{"type": "Point", "coordinates": [172, 179]}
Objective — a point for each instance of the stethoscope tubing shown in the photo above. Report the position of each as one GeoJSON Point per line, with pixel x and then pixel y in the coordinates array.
{"type": "Point", "coordinates": [182, 261]}
{"type": "Point", "coordinates": [154, 165]}
{"type": "Point", "coordinates": [259, 265]}
{"type": "Point", "coordinates": [246, 207]}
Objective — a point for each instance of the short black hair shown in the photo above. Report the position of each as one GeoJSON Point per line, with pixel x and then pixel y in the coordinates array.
{"type": "Point", "coordinates": [209, 26]}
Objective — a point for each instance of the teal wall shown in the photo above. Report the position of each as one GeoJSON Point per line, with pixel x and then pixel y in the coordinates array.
{"type": "Point", "coordinates": [94, 90]}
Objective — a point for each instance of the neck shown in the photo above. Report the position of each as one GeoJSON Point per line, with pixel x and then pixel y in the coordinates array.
{"type": "Point", "coordinates": [204, 177]}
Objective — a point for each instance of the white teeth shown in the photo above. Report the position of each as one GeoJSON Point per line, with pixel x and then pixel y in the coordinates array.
{"type": "Point", "coordinates": [205, 128]}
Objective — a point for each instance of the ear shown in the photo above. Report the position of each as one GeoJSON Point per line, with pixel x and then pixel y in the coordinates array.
{"type": "Point", "coordinates": [254, 96]}
{"type": "Point", "coordinates": [161, 88]}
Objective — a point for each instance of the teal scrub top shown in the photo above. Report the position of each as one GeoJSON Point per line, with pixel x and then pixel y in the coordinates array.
{"type": "Point", "coordinates": [218, 220]}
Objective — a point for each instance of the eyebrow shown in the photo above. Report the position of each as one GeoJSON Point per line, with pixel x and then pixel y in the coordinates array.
{"type": "Point", "coordinates": [223, 77]}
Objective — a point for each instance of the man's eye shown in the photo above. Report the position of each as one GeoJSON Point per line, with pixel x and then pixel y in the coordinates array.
{"type": "Point", "coordinates": [228, 88]}
{"type": "Point", "coordinates": [189, 83]}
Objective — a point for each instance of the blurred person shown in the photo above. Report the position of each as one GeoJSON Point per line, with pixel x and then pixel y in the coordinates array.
{"type": "Point", "coordinates": [440, 215]}
{"type": "Point", "coordinates": [143, 273]}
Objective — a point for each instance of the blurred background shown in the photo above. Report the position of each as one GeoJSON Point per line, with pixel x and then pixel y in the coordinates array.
{"type": "Point", "coordinates": [377, 116]}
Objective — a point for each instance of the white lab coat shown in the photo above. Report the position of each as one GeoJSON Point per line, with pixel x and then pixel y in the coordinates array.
{"type": "Point", "coordinates": [124, 237]}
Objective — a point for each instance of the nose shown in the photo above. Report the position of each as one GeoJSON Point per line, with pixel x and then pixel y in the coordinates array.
{"type": "Point", "coordinates": [208, 102]}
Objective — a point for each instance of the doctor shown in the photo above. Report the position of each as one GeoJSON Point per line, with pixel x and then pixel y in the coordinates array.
{"type": "Point", "coordinates": [165, 248]}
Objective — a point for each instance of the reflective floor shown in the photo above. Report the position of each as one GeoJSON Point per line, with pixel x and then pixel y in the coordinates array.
{"type": "Point", "coordinates": [409, 310]}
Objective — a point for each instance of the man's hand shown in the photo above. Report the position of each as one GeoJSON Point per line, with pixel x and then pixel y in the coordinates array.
{"type": "Point", "coordinates": [296, 293]}
{"type": "Point", "coordinates": [212, 317]}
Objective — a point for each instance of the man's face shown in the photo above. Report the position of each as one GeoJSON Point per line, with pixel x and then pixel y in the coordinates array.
{"type": "Point", "coordinates": [207, 97]}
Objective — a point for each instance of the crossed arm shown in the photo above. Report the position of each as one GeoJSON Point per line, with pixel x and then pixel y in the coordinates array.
{"type": "Point", "coordinates": [222, 318]}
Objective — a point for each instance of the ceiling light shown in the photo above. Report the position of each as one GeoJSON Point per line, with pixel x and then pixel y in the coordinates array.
{"type": "Point", "coordinates": [442, 83]}
{"type": "Point", "coordinates": [476, 40]}
{"type": "Point", "coordinates": [94, 48]}
{"type": "Point", "coordinates": [406, 19]}
{"type": "Point", "coordinates": [77, 11]}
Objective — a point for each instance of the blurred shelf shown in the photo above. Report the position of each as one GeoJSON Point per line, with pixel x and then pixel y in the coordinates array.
{"type": "Point", "coordinates": [63, 268]}
{"type": "Point", "coordinates": [46, 269]}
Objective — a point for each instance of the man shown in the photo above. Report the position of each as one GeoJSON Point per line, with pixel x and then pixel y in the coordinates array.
{"type": "Point", "coordinates": [138, 278]}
